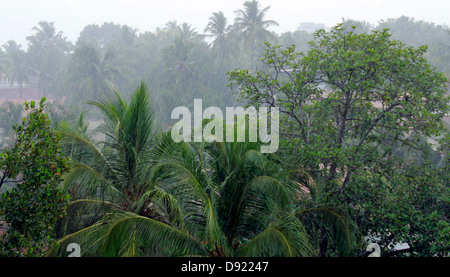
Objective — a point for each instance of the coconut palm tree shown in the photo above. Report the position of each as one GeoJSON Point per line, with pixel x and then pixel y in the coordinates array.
{"type": "Point", "coordinates": [218, 28]}
{"type": "Point", "coordinates": [171, 26]}
{"type": "Point", "coordinates": [108, 180]}
{"type": "Point", "coordinates": [48, 50]}
{"type": "Point", "coordinates": [181, 70]}
{"type": "Point", "coordinates": [91, 73]}
{"type": "Point", "coordinates": [140, 194]}
{"type": "Point", "coordinates": [194, 214]}
{"type": "Point", "coordinates": [187, 33]}
{"type": "Point", "coordinates": [250, 21]}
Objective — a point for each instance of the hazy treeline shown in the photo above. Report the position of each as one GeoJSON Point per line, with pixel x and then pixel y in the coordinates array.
{"type": "Point", "coordinates": [178, 62]}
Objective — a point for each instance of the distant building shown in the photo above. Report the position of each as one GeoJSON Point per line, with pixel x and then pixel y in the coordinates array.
{"type": "Point", "coordinates": [311, 27]}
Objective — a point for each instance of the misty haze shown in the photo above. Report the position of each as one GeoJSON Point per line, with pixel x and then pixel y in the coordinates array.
{"type": "Point", "coordinates": [362, 155]}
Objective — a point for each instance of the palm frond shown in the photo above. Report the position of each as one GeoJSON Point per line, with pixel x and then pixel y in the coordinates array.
{"type": "Point", "coordinates": [127, 234]}
{"type": "Point", "coordinates": [154, 237]}
{"type": "Point", "coordinates": [286, 237]}
{"type": "Point", "coordinates": [339, 228]}
{"type": "Point", "coordinates": [164, 205]}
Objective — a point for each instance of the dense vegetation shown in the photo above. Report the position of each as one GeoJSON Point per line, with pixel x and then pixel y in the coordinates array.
{"type": "Point", "coordinates": [364, 147]}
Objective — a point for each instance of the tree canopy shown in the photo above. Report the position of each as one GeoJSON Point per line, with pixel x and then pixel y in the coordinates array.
{"type": "Point", "coordinates": [347, 102]}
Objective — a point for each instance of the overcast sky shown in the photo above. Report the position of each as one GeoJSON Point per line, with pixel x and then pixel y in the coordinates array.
{"type": "Point", "coordinates": [17, 17]}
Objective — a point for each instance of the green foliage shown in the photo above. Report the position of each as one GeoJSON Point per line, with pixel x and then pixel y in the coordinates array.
{"type": "Point", "coordinates": [410, 205]}
{"type": "Point", "coordinates": [90, 72]}
{"type": "Point", "coordinates": [234, 199]}
{"type": "Point", "coordinates": [36, 165]}
{"type": "Point", "coordinates": [418, 33]}
{"type": "Point", "coordinates": [110, 172]}
{"type": "Point", "coordinates": [47, 54]}
{"type": "Point", "coordinates": [346, 103]}
{"type": "Point", "coordinates": [134, 189]}
{"type": "Point", "coordinates": [250, 21]}
{"type": "Point", "coordinates": [362, 144]}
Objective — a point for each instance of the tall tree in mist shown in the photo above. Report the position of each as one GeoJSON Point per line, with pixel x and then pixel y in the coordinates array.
{"type": "Point", "coordinates": [141, 194]}
{"type": "Point", "coordinates": [47, 50]}
{"type": "Point", "coordinates": [222, 45]}
{"type": "Point", "coordinates": [182, 64]}
{"type": "Point", "coordinates": [419, 33]}
{"type": "Point", "coordinates": [251, 22]}
{"type": "Point", "coordinates": [107, 34]}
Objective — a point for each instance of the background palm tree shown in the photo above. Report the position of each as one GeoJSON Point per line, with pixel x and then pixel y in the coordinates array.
{"type": "Point", "coordinates": [218, 29]}
{"type": "Point", "coordinates": [187, 33]}
{"type": "Point", "coordinates": [182, 68]}
{"type": "Point", "coordinates": [91, 73]}
{"type": "Point", "coordinates": [250, 21]}
{"type": "Point", "coordinates": [10, 115]}
{"type": "Point", "coordinates": [48, 50]}
{"type": "Point", "coordinates": [183, 64]}
{"type": "Point", "coordinates": [109, 184]}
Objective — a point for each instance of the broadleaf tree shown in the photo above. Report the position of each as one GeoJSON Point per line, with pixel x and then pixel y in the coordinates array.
{"type": "Point", "coordinates": [35, 165]}
{"type": "Point", "coordinates": [345, 103]}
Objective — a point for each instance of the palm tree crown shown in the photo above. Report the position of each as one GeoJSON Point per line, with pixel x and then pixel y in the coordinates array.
{"type": "Point", "coordinates": [222, 45]}
{"type": "Point", "coordinates": [250, 21]}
